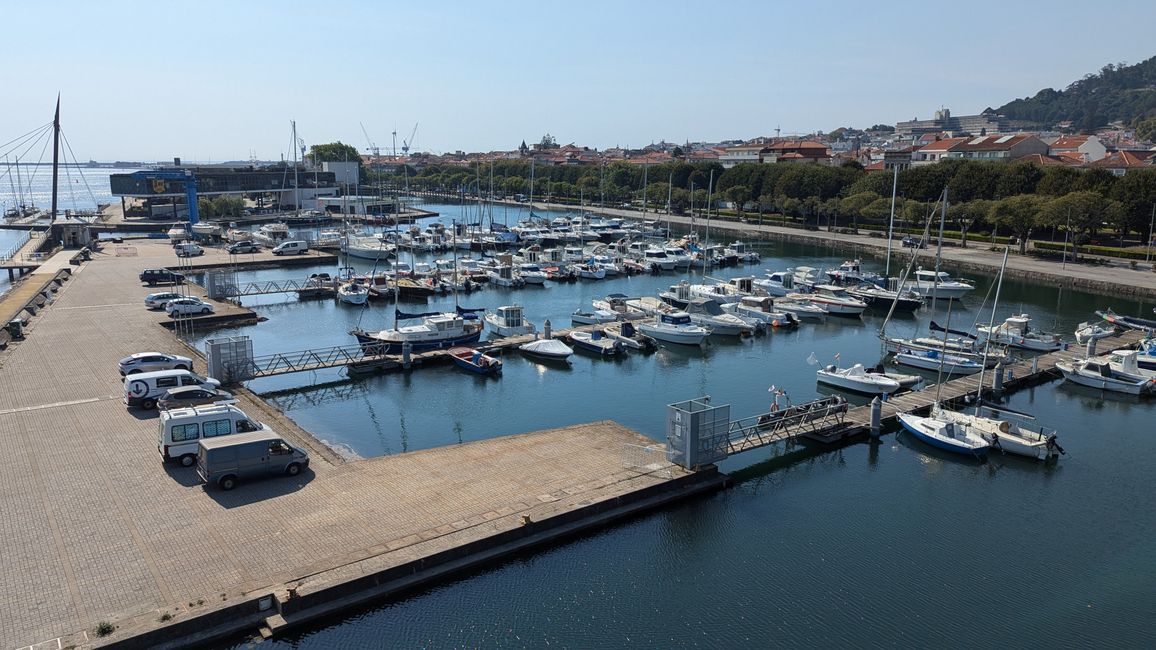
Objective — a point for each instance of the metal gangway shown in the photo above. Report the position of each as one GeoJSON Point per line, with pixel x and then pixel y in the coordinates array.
{"type": "Point", "coordinates": [821, 419]}
{"type": "Point", "coordinates": [232, 360]}
{"type": "Point", "coordinates": [225, 289]}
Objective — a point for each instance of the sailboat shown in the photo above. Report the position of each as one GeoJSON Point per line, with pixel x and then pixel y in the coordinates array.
{"type": "Point", "coordinates": [1005, 435]}
{"type": "Point", "coordinates": [939, 430]}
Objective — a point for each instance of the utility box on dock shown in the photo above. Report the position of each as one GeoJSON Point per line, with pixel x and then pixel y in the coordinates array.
{"type": "Point", "coordinates": [230, 359]}
{"type": "Point", "coordinates": [696, 432]}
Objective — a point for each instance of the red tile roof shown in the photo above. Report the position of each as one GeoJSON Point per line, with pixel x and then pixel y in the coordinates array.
{"type": "Point", "coordinates": [1071, 142]}
{"type": "Point", "coordinates": [1130, 159]}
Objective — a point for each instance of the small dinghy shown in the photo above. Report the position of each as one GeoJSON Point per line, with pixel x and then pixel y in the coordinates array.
{"type": "Point", "coordinates": [475, 361]}
{"type": "Point", "coordinates": [596, 343]}
{"type": "Point", "coordinates": [550, 349]}
{"type": "Point", "coordinates": [630, 338]}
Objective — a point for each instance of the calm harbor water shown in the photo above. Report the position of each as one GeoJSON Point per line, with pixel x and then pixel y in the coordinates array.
{"type": "Point", "coordinates": [868, 545]}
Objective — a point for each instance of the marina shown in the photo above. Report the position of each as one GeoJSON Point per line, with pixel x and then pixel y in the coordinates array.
{"type": "Point", "coordinates": [306, 387]}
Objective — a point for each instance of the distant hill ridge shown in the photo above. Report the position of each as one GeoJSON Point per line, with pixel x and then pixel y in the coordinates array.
{"type": "Point", "coordinates": [1118, 92]}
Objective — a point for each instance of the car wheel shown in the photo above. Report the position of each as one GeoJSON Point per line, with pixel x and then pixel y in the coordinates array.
{"type": "Point", "coordinates": [227, 482]}
{"type": "Point", "coordinates": [148, 404]}
{"type": "Point", "coordinates": [293, 469]}
{"type": "Point", "coordinates": [188, 460]}
{"type": "Point", "coordinates": [206, 310]}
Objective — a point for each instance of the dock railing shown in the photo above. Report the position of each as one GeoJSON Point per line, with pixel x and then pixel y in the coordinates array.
{"type": "Point", "coordinates": [648, 459]}
{"type": "Point", "coordinates": [785, 424]}
{"type": "Point", "coordinates": [12, 250]}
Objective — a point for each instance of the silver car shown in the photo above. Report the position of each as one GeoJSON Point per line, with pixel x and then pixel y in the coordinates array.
{"type": "Point", "coordinates": [152, 361]}
{"type": "Point", "coordinates": [188, 307]}
{"type": "Point", "coordinates": [158, 300]}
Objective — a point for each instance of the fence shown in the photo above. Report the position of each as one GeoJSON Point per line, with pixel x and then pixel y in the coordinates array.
{"type": "Point", "coordinates": [15, 247]}
{"type": "Point", "coordinates": [647, 459]}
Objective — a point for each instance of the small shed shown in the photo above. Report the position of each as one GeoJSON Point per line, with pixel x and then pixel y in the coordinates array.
{"type": "Point", "coordinates": [72, 232]}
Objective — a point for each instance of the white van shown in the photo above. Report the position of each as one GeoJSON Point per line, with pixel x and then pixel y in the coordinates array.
{"type": "Point", "coordinates": [180, 430]}
{"type": "Point", "coordinates": [292, 247]}
{"type": "Point", "coordinates": [143, 389]}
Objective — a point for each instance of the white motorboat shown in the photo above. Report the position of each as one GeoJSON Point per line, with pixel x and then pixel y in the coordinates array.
{"type": "Point", "coordinates": [532, 273]}
{"type": "Point", "coordinates": [550, 349]}
{"type": "Point", "coordinates": [709, 314]}
{"type": "Point", "coordinates": [504, 275]}
{"type": "Point", "coordinates": [1128, 361]}
{"type": "Point", "coordinates": [763, 309]}
{"type": "Point", "coordinates": [353, 293]}
{"type": "Point", "coordinates": [368, 247]}
{"type": "Point", "coordinates": [595, 342]}
{"type": "Point", "coordinates": [590, 271]}
{"type": "Point", "coordinates": [593, 317]}
{"type": "Point", "coordinates": [777, 284]}
{"type": "Point", "coordinates": [509, 320]}
{"type": "Point", "coordinates": [658, 257]}
{"type": "Point", "coordinates": [1016, 331]}
{"type": "Point", "coordinates": [1093, 332]}
{"type": "Point", "coordinates": [950, 364]}
{"type": "Point", "coordinates": [674, 328]}
{"type": "Point", "coordinates": [857, 379]}
{"type": "Point", "coordinates": [945, 434]}
{"type": "Point", "coordinates": [678, 255]}
{"type": "Point", "coordinates": [1098, 373]}
{"type": "Point", "coordinates": [930, 284]}
{"type": "Point", "coordinates": [617, 303]}
{"type": "Point", "coordinates": [834, 299]}
{"type": "Point", "coordinates": [630, 338]}
{"type": "Point", "coordinates": [802, 309]}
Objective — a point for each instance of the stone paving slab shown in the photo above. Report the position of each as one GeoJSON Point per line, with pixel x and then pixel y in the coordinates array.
{"type": "Point", "coordinates": [94, 527]}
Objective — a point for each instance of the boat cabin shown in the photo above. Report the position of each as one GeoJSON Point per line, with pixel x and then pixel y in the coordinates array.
{"type": "Point", "coordinates": [511, 315]}
{"type": "Point", "coordinates": [744, 285]}
{"type": "Point", "coordinates": [675, 318]}
{"type": "Point", "coordinates": [931, 277]}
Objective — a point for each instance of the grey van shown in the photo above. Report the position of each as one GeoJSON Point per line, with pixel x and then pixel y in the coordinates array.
{"type": "Point", "coordinates": [226, 460]}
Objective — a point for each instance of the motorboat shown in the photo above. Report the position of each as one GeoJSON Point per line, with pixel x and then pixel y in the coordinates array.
{"type": "Point", "coordinates": [617, 303]}
{"type": "Point", "coordinates": [532, 273]}
{"type": "Point", "coordinates": [932, 284]}
{"type": "Point", "coordinates": [1016, 331]}
{"type": "Point", "coordinates": [936, 360]}
{"type": "Point", "coordinates": [777, 284]}
{"type": "Point", "coordinates": [595, 342]}
{"type": "Point", "coordinates": [802, 309]}
{"type": "Point", "coordinates": [353, 293]}
{"type": "Point", "coordinates": [678, 255]}
{"type": "Point", "coordinates": [879, 298]}
{"type": "Point", "coordinates": [657, 257]}
{"type": "Point", "coordinates": [504, 275]}
{"type": "Point", "coordinates": [851, 272]}
{"type": "Point", "coordinates": [475, 361]}
{"type": "Point", "coordinates": [368, 247]}
{"type": "Point", "coordinates": [1131, 322]}
{"type": "Point", "coordinates": [630, 338]}
{"type": "Point", "coordinates": [509, 320]}
{"type": "Point", "coordinates": [1094, 332]}
{"type": "Point", "coordinates": [593, 317]}
{"type": "Point", "coordinates": [1098, 373]}
{"type": "Point", "coordinates": [762, 309]}
{"type": "Point", "coordinates": [1128, 361]}
{"type": "Point", "coordinates": [1146, 356]}
{"type": "Point", "coordinates": [549, 349]}
{"type": "Point", "coordinates": [674, 327]}
{"type": "Point", "coordinates": [834, 299]}
{"type": "Point", "coordinates": [857, 379]}
{"type": "Point", "coordinates": [437, 330]}
{"type": "Point", "coordinates": [709, 314]}
{"type": "Point", "coordinates": [945, 434]}
{"type": "Point", "coordinates": [590, 271]}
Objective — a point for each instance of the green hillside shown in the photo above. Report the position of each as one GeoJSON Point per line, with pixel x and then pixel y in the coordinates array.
{"type": "Point", "coordinates": [1125, 93]}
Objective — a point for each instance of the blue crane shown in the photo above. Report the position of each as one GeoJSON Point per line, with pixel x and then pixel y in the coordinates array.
{"type": "Point", "coordinates": [158, 178]}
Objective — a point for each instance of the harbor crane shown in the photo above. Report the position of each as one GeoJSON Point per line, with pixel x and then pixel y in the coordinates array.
{"type": "Point", "coordinates": [405, 144]}
{"type": "Point", "coordinates": [373, 148]}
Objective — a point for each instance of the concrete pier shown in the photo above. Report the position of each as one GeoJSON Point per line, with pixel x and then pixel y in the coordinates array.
{"type": "Point", "coordinates": [96, 529]}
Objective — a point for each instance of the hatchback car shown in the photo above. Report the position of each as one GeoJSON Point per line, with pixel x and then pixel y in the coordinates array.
{"type": "Point", "coordinates": [188, 307]}
{"type": "Point", "coordinates": [194, 396]}
{"type": "Point", "coordinates": [913, 242]}
{"type": "Point", "coordinates": [153, 361]}
{"type": "Point", "coordinates": [159, 300]}
{"type": "Point", "coordinates": [243, 247]}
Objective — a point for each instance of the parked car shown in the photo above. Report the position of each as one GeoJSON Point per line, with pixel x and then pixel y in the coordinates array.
{"type": "Point", "coordinates": [142, 390]}
{"type": "Point", "coordinates": [189, 250]}
{"type": "Point", "coordinates": [243, 247]}
{"type": "Point", "coordinates": [292, 247]}
{"type": "Point", "coordinates": [161, 276]}
{"type": "Point", "coordinates": [188, 307]}
{"type": "Point", "coordinates": [913, 242]}
{"type": "Point", "coordinates": [159, 300]}
{"type": "Point", "coordinates": [194, 396]}
{"type": "Point", "coordinates": [153, 361]}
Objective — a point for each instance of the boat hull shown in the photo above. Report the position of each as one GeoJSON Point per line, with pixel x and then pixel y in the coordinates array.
{"type": "Point", "coordinates": [913, 424]}
{"type": "Point", "coordinates": [670, 336]}
{"type": "Point", "coordinates": [381, 346]}
{"type": "Point", "coordinates": [847, 383]}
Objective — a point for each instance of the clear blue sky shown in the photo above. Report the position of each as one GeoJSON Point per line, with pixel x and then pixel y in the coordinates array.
{"type": "Point", "coordinates": [209, 80]}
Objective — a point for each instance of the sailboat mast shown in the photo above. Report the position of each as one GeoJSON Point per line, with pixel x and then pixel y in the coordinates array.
{"type": "Point", "coordinates": [709, 190]}
{"type": "Point", "coordinates": [669, 189]}
{"type": "Point", "coordinates": [55, 156]}
{"type": "Point", "coordinates": [645, 168]}
{"type": "Point", "coordinates": [990, 325]}
{"type": "Point", "coordinates": [296, 185]}
{"type": "Point", "coordinates": [891, 222]}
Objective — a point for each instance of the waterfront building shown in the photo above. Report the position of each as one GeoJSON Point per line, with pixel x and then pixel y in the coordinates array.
{"type": "Point", "coordinates": [165, 199]}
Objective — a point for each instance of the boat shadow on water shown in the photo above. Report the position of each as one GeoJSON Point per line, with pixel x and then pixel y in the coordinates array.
{"type": "Point", "coordinates": [906, 439]}
{"type": "Point", "coordinates": [1097, 398]}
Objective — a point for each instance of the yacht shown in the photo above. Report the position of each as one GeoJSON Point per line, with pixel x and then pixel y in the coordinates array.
{"type": "Point", "coordinates": [930, 284]}
{"type": "Point", "coordinates": [436, 331]}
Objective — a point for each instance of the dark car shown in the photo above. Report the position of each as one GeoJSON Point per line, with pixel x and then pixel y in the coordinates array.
{"type": "Point", "coordinates": [161, 276]}
{"type": "Point", "coordinates": [913, 242]}
{"type": "Point", "coordinates": [193, 396]}
{"type": "Point", "coordinates": [243, 247]}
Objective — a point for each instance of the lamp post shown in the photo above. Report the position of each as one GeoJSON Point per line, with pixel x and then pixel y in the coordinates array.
{"type": "Point", "coordinates": [965, 223]}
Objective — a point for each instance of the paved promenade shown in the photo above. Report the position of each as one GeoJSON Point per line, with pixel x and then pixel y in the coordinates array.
{"type": "Point", "coordinates": [94, 528]}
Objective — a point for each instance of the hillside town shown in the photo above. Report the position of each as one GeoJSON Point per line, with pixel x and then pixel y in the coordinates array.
{"type": "Point", "coordinates": [987, 136]}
